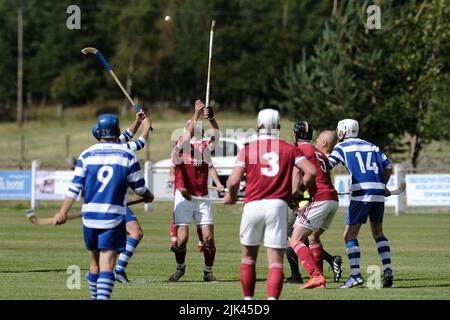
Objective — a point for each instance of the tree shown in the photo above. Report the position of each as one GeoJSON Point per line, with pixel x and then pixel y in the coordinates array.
{"type": "Point", "coordinates": [419, 61]}
{"type": "Point", "coordinates": [386, 79]}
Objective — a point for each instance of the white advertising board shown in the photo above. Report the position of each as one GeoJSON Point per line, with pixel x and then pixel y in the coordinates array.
{"type": "Point", "coordinates": [428, 189]}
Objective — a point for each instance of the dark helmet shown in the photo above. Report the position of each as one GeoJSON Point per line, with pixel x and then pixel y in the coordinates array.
{"type": "Point", "coordinates": [303, 131]}
{"type": "Point", "coordinates": [107, 126]}
{"type": "Point", "coordinates": [95, 131]}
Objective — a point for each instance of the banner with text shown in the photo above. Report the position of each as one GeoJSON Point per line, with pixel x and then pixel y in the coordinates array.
{"type": "Point", "coordinates": [15, 185]}
{"type": "Point", "coordinates": [428, 189]}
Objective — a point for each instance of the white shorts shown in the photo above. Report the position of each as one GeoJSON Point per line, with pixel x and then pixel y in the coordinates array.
{"type": "Point", "coordinates": [185, 210]}
{"type": "Point", "coordinates": [317, 215]}
{"type": "Point", "coordinates": [265, 219]}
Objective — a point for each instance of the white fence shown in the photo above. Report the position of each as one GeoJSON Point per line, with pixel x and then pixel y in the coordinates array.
{"type": "Point", "coordinates": [422, 190]}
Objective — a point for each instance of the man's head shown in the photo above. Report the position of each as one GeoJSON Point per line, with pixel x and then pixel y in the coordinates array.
{"type": "Point", "coordinates": [302, 131]}
{"type": "Point", "coordinates": [326, 141]}
{"type": "Point", "coordinates": [347, 128]}
{"type": "Point", "coordinates": [107, 127]}
{"type": "Point", "coordinates": [268, 120]}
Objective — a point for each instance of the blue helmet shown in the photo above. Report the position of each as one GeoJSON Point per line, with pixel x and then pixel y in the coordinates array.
{"type": "Point", "coordinates": [107, 126]}
{"type": "Point", "coordinates": [95, 131]}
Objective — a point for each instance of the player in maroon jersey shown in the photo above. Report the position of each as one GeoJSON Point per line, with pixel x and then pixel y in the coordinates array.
{"type": "Point", "coordinates": [268, 163]}
{"type": "Point", "coordinates": [317, 215]}
{"type": "Point", "coordinates": [192, 159]}
{"type": "Point", "coordinates": [325, 142]}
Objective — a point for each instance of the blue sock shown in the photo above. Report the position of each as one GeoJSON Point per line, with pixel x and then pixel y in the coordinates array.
{"type": "Point", "coordinates": [92, 281]}
{"type": "Point", "coordinates": [384, 250]}
{"type": "Point", "coordinates": [105, 284]}
{"type": "Point", "coordinates": [354, 255]}
{"type": "Point", "coordinates": [126, 255]}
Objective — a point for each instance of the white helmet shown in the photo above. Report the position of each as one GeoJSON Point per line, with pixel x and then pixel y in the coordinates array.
{"type": "Point", "coordinates": [269, 119]}
{"type": "Point", "coordinates": [347, 128]}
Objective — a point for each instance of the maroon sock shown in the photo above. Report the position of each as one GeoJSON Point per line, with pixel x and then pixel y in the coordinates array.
{"type": "Point", "coordinates": [275, 280]}
{"type": "Point", "coordinates": [248, 277]}
{"type": "Point", "coordinates": [317, 253]}
{"type": "Point", "coordinates": [305, 257]}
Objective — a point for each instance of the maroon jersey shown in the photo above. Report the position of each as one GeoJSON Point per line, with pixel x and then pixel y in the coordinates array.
{"type": "Point", "coordinates": [322, 188]}
{"type": "Point", "coordinates": [192, 167]}
{"type": "Point", "coordinates": [268, 163]}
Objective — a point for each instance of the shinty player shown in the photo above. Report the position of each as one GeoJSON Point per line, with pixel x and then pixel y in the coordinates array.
{"type": "Point", "coordinates": [325, 142]}
{"type": "Point", "coordinates": [192, 160]}
{"type": "Point", "coordinates": [268, 163]}
{"type": "Point", "coordinates": [105, 171]}
{"type": "Point", "coordinates": [317, 215]}
{"type": "Point", "coordinates": [134, 229]}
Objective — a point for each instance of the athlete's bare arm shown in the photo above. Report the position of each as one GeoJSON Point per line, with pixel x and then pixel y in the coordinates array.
{"type": "Point", "coordinates": [140, 116]}
{"type": "Point", "coordinates": [147, 125]}
{"type": "Point", "coordinates": [233, 185]}
{"type": "Point", "coordinates": [61, 216]}
{"type": "Point", "coordinates": [216, 179]}
{"type": "Point", "coordinates": [189, 132]}
{"type": "Point", "coordinates": [387, 175]}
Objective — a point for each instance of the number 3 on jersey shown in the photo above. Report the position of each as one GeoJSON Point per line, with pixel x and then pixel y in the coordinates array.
{"type": "Point", "coordinates": [272, 160]}
{"type": "Point", "coordinates": [104, 175]}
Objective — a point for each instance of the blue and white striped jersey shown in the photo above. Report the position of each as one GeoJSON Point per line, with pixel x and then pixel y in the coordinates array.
{"type": "Point", "coordinates": [366, 164]}
{"type": "Point", "coordinates": [105, 171]}
{"type": "Point", "coordinates": [134, 145]}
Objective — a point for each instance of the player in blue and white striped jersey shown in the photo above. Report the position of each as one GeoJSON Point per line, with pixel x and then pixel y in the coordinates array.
{"type": "Point", "coordinates": [128, 134]}
{"type": "Point", "coordinates": [134, 230]}
{"type": "Point", "coordinates": [370, 170]}
{"type": "Point", "coordinates": [105, 171]}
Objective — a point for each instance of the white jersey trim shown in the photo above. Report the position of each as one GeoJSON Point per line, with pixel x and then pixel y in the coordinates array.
{"type": "Point", "coordinates": [361, 148]}
{"type": "Point", "coordinates": [101, 224]}
{"type": "Point", "coordinates": [367, 185]}
{"type": "Point", "coordinates": [369, 198]}
{"type": "Point", "coordinates": [103, 208]}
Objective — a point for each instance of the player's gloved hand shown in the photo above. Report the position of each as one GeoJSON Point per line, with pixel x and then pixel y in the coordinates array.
{"type": "Point", "coordinates": [295, 199]}
{"type": "Point", "coordinates": [140, 116]}
{"type": "Point", "coordinates": [185, 194]}
{"type": "Point", "coordinates": [209, 113]}
{"type": "Point", "coordinates": [387, 192]}
{"type": "Point", "coordinates": [148, 197]}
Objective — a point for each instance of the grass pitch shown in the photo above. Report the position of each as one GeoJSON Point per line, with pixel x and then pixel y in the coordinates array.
{"type": "Point", "coordinates": [34, 260]}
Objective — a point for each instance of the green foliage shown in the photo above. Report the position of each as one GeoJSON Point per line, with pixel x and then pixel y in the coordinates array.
{"type": "Point", "coordinates": [393, 81]}
{"type": "Point", "coordinates": [67, 87]}
{"type": "Point", "coordinates": [166, 61]}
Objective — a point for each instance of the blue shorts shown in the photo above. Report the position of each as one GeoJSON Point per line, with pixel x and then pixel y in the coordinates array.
{"type": "Point", "coordinates": [106, 239]}
{"type": "Point", "coordinates": [130, 216]}
{"type": "Point", "coordinates": [358, 211]}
